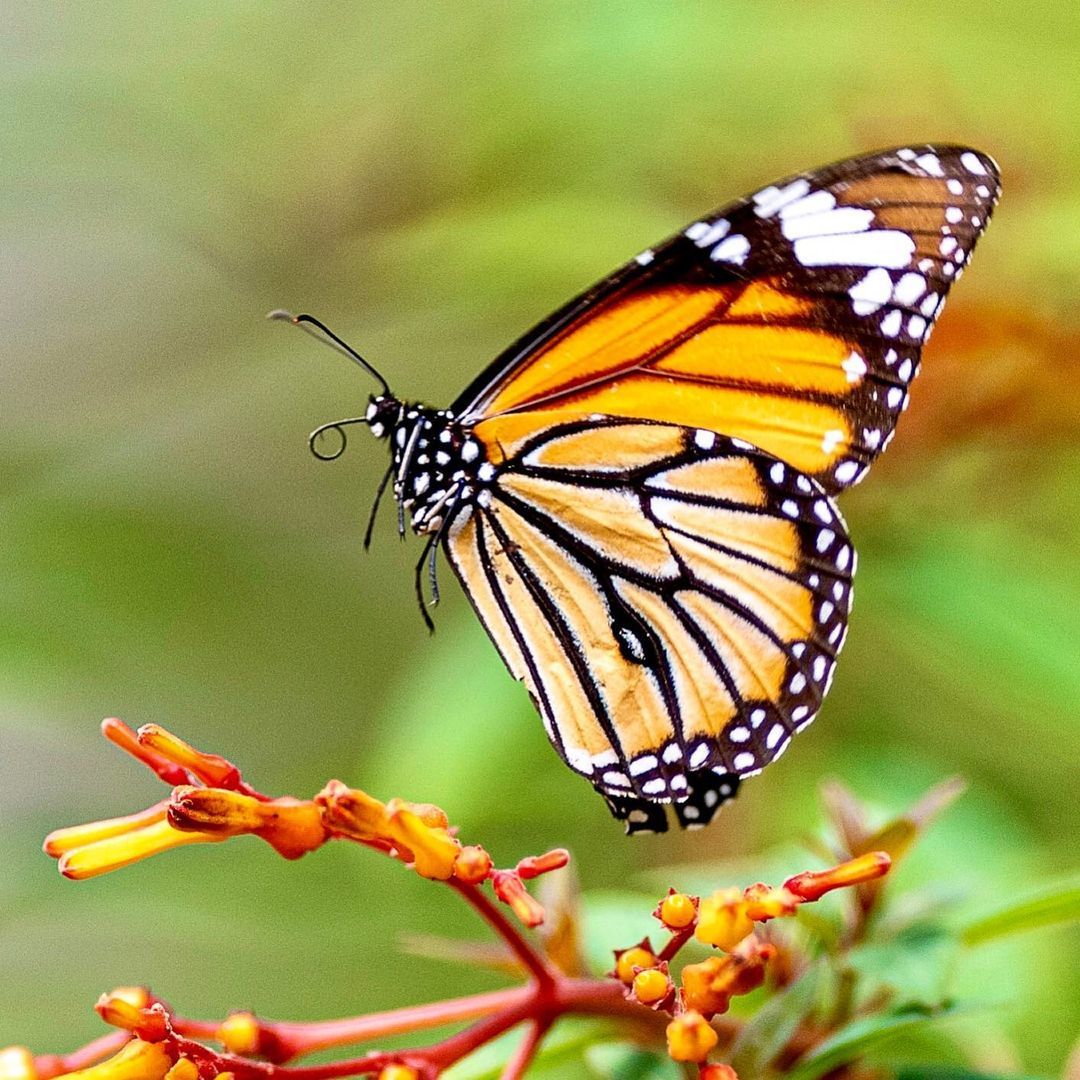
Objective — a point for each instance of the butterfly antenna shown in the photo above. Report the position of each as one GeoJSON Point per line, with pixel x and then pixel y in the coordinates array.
{"type": "Point", "coordinates": [320, 332]}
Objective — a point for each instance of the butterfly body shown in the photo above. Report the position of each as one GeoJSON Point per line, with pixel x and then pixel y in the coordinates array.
{"type": "Point", "coordinates": [638, 495]}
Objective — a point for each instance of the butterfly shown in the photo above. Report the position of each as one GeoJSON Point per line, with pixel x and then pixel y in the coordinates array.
{"type": "Point", "coordinates": [638, 495]}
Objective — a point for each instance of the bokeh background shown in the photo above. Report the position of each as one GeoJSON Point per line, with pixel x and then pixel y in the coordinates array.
{"type": "Point", "coordinates": [431, 178]}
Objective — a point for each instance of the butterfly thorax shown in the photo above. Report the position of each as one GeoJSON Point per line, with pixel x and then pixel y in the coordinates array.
{"type": "Point", "coordinates": [437, 465]}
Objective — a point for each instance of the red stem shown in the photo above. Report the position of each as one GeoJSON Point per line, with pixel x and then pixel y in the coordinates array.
{"type": "Point", "coordinates": [526, 1051]}
{"type": "Point", "coordinates": [677, 940]}
{"type": "Point", "coordinates": [530, 959]}
{"type": "Point", "coordinates": [294, 1039]}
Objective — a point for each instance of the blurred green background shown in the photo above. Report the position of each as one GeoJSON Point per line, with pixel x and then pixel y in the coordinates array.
{"type": "Point", "coordinates": [431, 178]}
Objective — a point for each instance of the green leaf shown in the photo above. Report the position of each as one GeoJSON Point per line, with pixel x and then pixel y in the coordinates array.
{"type": "Point", "coordinates": [766, 1034]}
{"type": "Point", "coordinates": [953, 1072]}
{"type": "Point", "coordinates": [915, 964]}
{"type": "Point", "coordinates": [1054, 905]}
{"type": "Point", "coordinates": [621, 1061]}
{"type": "Point", "coordinates": [863, 1035]}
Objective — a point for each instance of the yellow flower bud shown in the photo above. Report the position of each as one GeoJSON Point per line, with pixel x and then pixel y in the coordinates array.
{"type": "Point", "coordinates": [690, 1037]}
{"type": "Point", "coordinates": [677, 911]}
{"type": "Point", "coordinates": [637, 957]}
{"type": "Point", "coordinates": [723, 920]}
{"type": "Point", "coordinates": [651, 986]}
{"type": "Point", "coordinates": [472, 865]}
{"type": "Point", "coordinates": [239, 1034]}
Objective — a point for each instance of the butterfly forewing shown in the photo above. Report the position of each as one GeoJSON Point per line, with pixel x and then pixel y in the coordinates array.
{"type": "Point", "coordinates": [793, 319]}
{"type": "Point", "coordinates": [674, 601]}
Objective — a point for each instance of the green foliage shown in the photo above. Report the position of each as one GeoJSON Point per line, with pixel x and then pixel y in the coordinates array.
{"type": "Point", "coordinates": [1053, 905]}
{"type": "Point", "coordinates": [431, 178]}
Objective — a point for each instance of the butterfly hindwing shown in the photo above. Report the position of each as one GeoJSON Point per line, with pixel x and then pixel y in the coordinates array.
{"type": "Point", "coordinates": [793, 319]}
{"type": "Point", "coordinates": [673, 599]}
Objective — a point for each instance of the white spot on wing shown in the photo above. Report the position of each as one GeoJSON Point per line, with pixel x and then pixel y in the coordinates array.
{"type": "Point", "coordinates": [771, 199]}
{"type": "Point", "coordinates": [890, 325]}
{"type": "Point", "coordinates": [842, 220]}
{"type": "Point", "coordinates": [930, 163]}
{"type": "Point", "coordinates": [854, 367]}
{"type": "Point", "coordinates": [871, 292]}
{"type": "Point", "coordinates": [733, 250]}
{"type": "Point", "coordinates": [909, 288]}
{"type": "Point", "coordinates": [972, 163]}
{"type": "Point", "coordinates": [877, 247]}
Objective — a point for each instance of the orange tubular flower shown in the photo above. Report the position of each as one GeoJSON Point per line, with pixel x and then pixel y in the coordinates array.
{"type": "Point", "coordinates": [814, 884]}
{"type": "Point", "coordinates": [510, 889]}
{"type": "Point", "coordinates": [137, 1060]}
{"type": "Point", "coordinates": [417, 833]}
{"type": "Point", "coordinates": [292, 827]}
{"type": "Point", "coordinates": [709, 986]}
{"type": "Point", "coordinates": [85, 851]}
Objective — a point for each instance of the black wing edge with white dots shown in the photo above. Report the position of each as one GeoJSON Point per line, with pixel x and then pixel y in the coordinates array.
{"type": "Point", "coordinates": [865, 251]}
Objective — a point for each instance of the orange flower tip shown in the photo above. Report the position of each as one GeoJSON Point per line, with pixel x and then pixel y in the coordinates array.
{"type": "Point", "coordinates": [212, 770]}
{"type": "Point", "coordinates": [227, 1075]}
{"type": "Point", "coordinates": [119, 734]}
{"type": "Point", "coordinates": [203, 809]}
{"type": "Point", "coordinates": [690, 1037]}
{"type": "Point", "coordinates": [115, 852]}
{"type": "Point", "coordinates": [677, 911]}
{"type": "Point", "coordinates": [432, 816]}
{"type": "Point", "coordinates": [434, 851]}
{"type": "Point", "coordinates": [763, 902]}
{"type": "Point", "coordinates": [813, 884]}
{"type": "Point", "coordinates": [510, 889]}
{"type": "Point", "coordinates": [136, 1060]}
{"type": "Point", "coordinates": [651, 986]}
{"type": "Point", "coordinates": [17, 1063]}
{"type": "Point", "coordinates": [131, 1008]}
{"type": "Point", "coordinates": [535, 865]}
{"type": "Point", "coordinates": [398, 1072]}
{"type": "Point", "coordinates": [629, 961]}
{"type": "Point", "coordinates": [472, 865]}
{"type": "Point", "coordinates": [718, 1072]}
{"type": "Point", "coordinates": [240, 1033]}
{"type": "Point", "coordinates": [184, 1069]}
{"type": "Point", "coordinates": [723, 919]}
{"type": "Point", "coordinates": [61, 841]}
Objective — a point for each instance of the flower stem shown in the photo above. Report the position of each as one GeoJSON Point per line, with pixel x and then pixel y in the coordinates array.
{"type": "Point", "coordinates": [529, 957]}
{"type": "Point", "coordinates": [295, 1039]}
{"type": "Point", "coordinates": [526, 1050]}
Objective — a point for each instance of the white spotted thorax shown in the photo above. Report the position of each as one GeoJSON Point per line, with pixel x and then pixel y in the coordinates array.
{"type": "Point", "coordinates": [437, 467]}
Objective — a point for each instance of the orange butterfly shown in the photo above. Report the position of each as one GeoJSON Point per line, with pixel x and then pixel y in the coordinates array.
{"type": "Point", "coordinates": [637, 496]}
